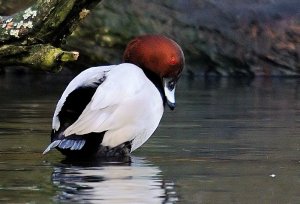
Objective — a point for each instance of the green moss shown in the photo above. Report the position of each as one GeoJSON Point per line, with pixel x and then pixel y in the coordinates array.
{"type": "Point", "coordinates": [50, 56]}
{"type": "Point", "coordinates": [46, 57]}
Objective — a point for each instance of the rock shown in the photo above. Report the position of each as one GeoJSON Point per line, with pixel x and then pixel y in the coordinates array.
{"type": "Point", "coordinates": [229, 37]}
{"type": "Point", "coordinates": [9, 7]}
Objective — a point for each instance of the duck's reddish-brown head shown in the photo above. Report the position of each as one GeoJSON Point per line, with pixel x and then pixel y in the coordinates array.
{"type": "Point", "coordinates": [160, 55]}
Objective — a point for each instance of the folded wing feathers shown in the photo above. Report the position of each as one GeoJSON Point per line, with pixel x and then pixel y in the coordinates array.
{"type": "Point", "coordinates": [51, 146]}
{"type": "Point", "coordinates": [66, 144]}
{"type": "Point", "coordinates": [107, 98]}
{"type": "Point", "coordinates": [110, 93]}
{"type": "Point", "coordinates": [86, 78]}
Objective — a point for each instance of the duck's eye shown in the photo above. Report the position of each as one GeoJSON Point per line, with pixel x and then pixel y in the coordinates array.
{"type": "Point", "coordinates": [171, 85]}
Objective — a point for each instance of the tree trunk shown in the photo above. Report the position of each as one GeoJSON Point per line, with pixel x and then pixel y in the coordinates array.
{"type": "Point", "coordinates": [33, 37]}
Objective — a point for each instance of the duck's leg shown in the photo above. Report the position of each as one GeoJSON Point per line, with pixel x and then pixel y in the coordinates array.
{"type": "Point", "coordinates": [118, 151]}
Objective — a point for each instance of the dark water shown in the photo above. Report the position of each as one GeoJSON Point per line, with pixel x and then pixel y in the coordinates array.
{"type": "Point", "coordinates": [227, 142]}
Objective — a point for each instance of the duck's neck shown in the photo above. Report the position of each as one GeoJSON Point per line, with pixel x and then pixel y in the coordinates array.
{"type": "Point", "coordinates": [156, 80]}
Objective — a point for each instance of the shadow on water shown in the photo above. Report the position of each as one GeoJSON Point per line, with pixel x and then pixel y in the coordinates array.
{"type": "Point", "coordinates": [134, 180]}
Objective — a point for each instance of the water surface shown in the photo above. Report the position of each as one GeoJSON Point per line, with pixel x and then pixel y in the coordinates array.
{"type": "Point", "coordinates": [227, 142]}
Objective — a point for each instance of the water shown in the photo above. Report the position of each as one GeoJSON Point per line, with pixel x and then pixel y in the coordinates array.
{"type": "Point", "coordinates": [227, 142]}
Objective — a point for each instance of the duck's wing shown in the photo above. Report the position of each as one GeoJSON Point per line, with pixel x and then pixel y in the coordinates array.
{"type": "Point", "coordinates": [121, 83]}
{"type": "Point", "coordinates": [73, 101]}
{"type": "Point", "coordinates": [77, 95]}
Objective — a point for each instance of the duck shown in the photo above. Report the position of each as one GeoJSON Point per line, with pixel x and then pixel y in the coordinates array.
{"type": "Point", "coordinates": [110, 111]}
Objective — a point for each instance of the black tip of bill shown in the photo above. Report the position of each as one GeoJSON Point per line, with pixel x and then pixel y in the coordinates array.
{"type": "Point", "coordinates": [171, 105]}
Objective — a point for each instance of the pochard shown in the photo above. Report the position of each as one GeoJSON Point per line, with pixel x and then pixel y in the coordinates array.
{"type": "Point", "coordinates": [112, 110]}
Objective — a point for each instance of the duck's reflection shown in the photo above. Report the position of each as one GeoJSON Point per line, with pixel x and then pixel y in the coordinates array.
{"type": "Point", "coordinates": [133, 180]}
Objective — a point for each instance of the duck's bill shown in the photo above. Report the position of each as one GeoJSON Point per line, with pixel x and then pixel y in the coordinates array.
{"type": "Point", "coordinates": [169, 88]}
